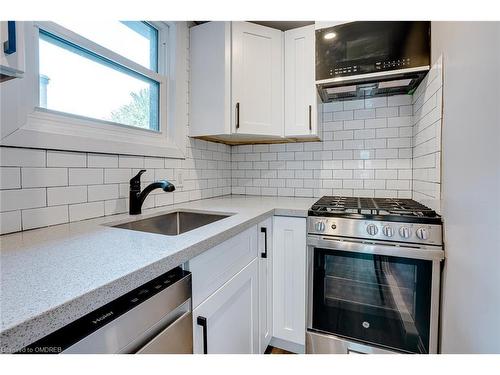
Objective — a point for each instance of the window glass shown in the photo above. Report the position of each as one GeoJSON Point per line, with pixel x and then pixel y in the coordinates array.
{"type": "Point", "coordinates": [135, 40]}
{"type": "Point", "coordinates": [77, 81]}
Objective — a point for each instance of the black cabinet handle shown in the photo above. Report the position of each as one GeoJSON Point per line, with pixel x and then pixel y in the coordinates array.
{"type": "Point", "coordinates": [202, 321]}
{"type": "Point", "coordinates": [264, 230]}
{"type": "Point", "coordinates": [9, 46]}
{"type": "Point", "coordinates": [310, 117]}
{"type": "Point", "coordinates": [237, 115]}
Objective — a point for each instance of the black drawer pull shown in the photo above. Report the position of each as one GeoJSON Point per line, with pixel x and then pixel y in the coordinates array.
{"type": "Point", "coordinates": [202, 321]}
{"type": "Point", "coordinates": [237, 115]}
{"type": "Point", "coordinates": [264, 230]}
{"type": "Point", "coordinates": [9, 46]}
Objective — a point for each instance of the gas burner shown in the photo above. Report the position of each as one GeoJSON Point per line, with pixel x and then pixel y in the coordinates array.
{"type": "Point", "coordinates": [389, 209]}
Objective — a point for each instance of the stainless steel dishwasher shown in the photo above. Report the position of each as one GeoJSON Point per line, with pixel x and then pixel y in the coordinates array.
{"type": "Point", "coordinates": [154, 318]}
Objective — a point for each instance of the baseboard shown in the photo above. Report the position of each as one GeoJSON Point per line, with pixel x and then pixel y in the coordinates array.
{"type": "Point", "coordinates": [287, 345]}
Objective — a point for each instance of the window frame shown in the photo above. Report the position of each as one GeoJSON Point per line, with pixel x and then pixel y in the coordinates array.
{"type": "Point", "coordinates": [46, 128]}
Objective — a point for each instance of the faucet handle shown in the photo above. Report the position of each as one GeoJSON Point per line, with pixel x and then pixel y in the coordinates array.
{"type": "Point", "coordinates": [135, 182]}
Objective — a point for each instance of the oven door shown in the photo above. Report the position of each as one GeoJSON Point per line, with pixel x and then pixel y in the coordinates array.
{"type": "Point", "coordinates": [378, 299]}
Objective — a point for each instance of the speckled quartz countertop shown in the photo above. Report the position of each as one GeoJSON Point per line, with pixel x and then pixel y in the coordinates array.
{"type": "Point", "coordinates": [52, 276]}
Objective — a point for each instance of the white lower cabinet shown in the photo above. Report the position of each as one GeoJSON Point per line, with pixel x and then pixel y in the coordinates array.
{"type": "Point", "coordinates": [228, 321]}
{"type": "Point", "coordinates": [289, 283]}
{"type": "Point", "coordinates": [249, 291]}
{"type": "Point", "coordinates": [265, 231]}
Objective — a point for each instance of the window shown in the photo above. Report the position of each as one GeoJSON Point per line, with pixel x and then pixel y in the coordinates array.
{"type": "Point", "coordinates": [107, 71]}
{"type": "Point", "coordinates": [101, 86]}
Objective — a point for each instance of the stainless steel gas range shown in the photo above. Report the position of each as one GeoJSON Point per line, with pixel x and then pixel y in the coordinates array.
{"type": "Point", "coordinates": [374, 268]}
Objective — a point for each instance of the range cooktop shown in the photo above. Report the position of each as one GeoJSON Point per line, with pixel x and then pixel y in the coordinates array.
{"type": "Point", "coordinates": [386, 209]}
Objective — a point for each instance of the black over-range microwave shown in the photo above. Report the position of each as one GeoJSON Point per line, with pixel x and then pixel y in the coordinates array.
{"type": "Point", "coordinates": [364, 59]}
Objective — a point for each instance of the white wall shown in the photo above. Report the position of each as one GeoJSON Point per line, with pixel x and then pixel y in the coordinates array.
{"type": "Point", "coordinates": [470, 321]}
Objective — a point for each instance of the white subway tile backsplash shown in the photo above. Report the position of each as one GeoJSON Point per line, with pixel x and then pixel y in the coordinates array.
{"type": "Point", "coordinates": [103, 192]}
{"type": "Point", "coordinates": [396, 122]}
{"type": "Point", "coordinates": [10, 178]}
{"type": "Point", "coordinates": [20, 199]}
{"type": "Point", "coordinates": [342, 116]}
{"type": "Point", "coordinates": [387, 112]}
{"type": "Point", "coordinates": [22, 157]}
{"type": "Point", "coordinates": [102, 161]}
{"type": "Point", "coordinates": [83, 211]}
{"type": "Point", "coordinates": [375, 123]}
{"type": "Point", "coordinates": [354, 104]}
{"type": "Point", "coordinates": [386, 174]}
{"type": "Point", "coordinates": [154, 163]}
{"type": "Point", "coordinates": [66, 159]}
{"type": "Point", "coordinates": [341, 155]}
{"type": "Point", "coordinates": [86, 176]}
{"type": "Point", "coordinates": [398, 100]}
{"type": "Point", "coordinates": [116, 206]}
{"type": "Point", "coordinates": [362, 114]}
{"type": "Point", "coordinates": [10, 222]}
{"type": "Point", "coordinates": [353, 164]}
{"type": "Point", "coordinates": [388, 153]}
{"type": "Point", "coordinates": [376, 102]}
{"type": "Point", "coordinates": [354, 124]}
{"type": "Point", "coordinates": [387, 133]}
{"type": "Point", "coordinates": [364, 134]}
{"type": "Point", "coordinates": [333, 107]}
{"type": "Point", "coordinates": [43, 177]}
{"type": "Point", "coordinates": [66, 195]}
{"type": "Point", "coordinates": [41, 217]}
{"type": "Point", "coordinates": [116, 175]}
{"type": "Point", "coordinates": [367, 149]}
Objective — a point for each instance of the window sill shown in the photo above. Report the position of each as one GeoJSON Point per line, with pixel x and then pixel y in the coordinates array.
{"type": "Point", "coordinates": [53, 130]}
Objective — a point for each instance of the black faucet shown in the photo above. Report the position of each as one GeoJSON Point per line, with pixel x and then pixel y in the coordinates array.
{"type": "Point", "coordinates": [137, 197]}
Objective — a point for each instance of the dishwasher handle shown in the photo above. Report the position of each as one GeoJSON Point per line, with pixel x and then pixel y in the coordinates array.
{"type": "Point", "coordinates": [176, 338]}
{"type": "Point", "coordinates": [202, 321]}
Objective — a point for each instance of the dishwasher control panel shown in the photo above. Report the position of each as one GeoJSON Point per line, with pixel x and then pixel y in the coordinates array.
{"type": "Point", "coordinates": [75, 331]}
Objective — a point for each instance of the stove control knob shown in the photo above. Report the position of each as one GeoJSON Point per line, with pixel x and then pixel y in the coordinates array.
{"type": "Point", "coordinates": [320, 226]}
{"type": "Point", "coordinates": [372, 229]}
{"type": "Point", "coordinates": [387, 230]}
{"type": "Point", "coordinates": [405, 232]}
{"type": "Point", "coordinates": [422, 233]}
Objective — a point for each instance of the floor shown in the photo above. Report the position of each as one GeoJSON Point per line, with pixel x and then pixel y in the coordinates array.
{"type": "Point", "coordinates": [273, 350]}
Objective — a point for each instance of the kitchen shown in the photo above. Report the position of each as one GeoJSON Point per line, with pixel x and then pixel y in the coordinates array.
{"type": "Point", "coordinates": [249, 187]}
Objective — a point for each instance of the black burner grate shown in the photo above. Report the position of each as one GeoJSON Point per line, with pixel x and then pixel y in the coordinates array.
{"type": "Point", "coordinates": [372, 206]}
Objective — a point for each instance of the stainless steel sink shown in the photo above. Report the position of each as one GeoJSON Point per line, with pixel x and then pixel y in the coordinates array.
{"type": "Point", "coordinates": [173, 223]}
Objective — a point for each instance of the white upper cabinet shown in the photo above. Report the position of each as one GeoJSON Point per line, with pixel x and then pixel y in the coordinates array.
{"type": "Point", "coordinates": [300, 89]}
{"type": "Point", "coordinates": [11, 50]}
{"type": "Point", "coordinates": [257, 79]}
{"type": "Point", "coordinates": [236, 81]}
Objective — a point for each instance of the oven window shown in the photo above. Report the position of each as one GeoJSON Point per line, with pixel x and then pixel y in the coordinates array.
{"type": "Point", "coordinates": [376, 299]}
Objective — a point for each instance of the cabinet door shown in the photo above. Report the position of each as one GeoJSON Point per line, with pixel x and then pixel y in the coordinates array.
{"type": "Point", "coordinates": [289, 279]}
{"type": "Point", "coordinates": [12, 49]}
{"type": "Point", "coordinates": [228, 321]}
{"type": "Point", "coordinates": [257, 79]}
{"type": "Point", "coordinates": [265, 283]}
{"type": "Point", "coordinates": [300, 88]}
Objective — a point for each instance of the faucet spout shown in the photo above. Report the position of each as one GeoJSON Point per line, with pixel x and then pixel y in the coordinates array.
{"type": "Point", "coordinates": [136, 198]}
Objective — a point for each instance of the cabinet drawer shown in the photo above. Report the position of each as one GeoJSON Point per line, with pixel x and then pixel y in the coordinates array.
{"type": "Point", "coordinates": [216, 266]}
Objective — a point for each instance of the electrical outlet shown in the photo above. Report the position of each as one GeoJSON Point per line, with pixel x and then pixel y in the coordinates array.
{"type": "Point", "coordinates": [180, 179]}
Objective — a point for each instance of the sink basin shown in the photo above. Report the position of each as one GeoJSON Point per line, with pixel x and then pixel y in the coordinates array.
{"type": "Point", "coordinates": [173, 223]}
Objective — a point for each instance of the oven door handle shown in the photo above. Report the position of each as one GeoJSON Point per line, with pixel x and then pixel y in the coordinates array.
{"type": "Point", "coordinates": [335, 243]}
